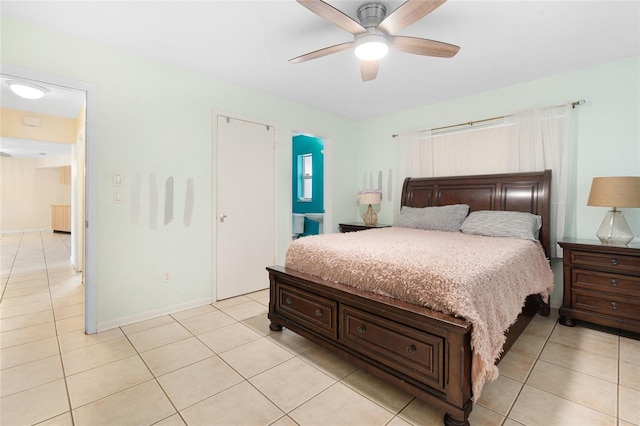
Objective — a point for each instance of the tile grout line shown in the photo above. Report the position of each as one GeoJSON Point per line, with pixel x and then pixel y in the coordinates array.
{"type": "Point", "coordinates": [342, 382]}
{"type": "Point", "coordinates": [236, 371]}
{"type": "Point", "coordinates": [618, 384]}
{"type": "Point", "coordinates": [524, 383]}
{"type": "Point", "coordinates": [64, 374]}
{"type": "Point", "coordinates": [12, 265]}
{"type": "Point", "coordinates": [336, 381]}
{"type": "Point", "coordinates": [215, 354]}
{"type": "Point", "coordinates": [155, 378]}
{"type": "Point", "coordinates": [616, 416]}
{"type": "Point", "coordinates": [247, 380]}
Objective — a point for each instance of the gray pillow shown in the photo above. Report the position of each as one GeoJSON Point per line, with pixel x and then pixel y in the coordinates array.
{"type": "Point", "coordinates": [442, 218]}
{"type": "Point", "coordinates": [497, 223]}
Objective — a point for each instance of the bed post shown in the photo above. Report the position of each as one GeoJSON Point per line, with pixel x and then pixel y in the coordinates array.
{"type": "Point", "coordinates": [273, 326]}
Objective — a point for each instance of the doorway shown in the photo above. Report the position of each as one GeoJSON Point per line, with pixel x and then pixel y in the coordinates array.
{"type": "Point", "coordinates": [83, 201]}
{"type": "Point", "coordinates": [46, 133]}
{"type": "Point", "coordinates": [245, 194]}
{"type": "Point", "coordinates": [307, 177]}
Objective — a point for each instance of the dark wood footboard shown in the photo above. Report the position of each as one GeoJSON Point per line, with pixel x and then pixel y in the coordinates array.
{"type": "Point", "coordinates": [423, 352]}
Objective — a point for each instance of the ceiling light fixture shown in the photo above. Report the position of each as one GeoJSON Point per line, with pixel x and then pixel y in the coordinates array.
{"type": "Point", "coordinates": [371, 47]}
{"type": "Point", "coordinates": [27, 90]}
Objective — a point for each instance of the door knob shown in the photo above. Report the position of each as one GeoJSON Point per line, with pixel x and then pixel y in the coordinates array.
{"type": "Point", "coordinates": [222, 218]}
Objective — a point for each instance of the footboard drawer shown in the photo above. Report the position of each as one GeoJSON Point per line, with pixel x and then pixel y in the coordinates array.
{"type": "Point", "coordinates": [314, 312]}
{"type": "Point", "coordinates": [409, 351]}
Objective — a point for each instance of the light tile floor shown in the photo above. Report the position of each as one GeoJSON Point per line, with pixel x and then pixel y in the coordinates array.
{"type": "Point", "coordinates": [220, 365]}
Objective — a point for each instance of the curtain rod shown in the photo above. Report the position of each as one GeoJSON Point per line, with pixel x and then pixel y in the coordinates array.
{"type": "Point", "coordinates": [471, 123]}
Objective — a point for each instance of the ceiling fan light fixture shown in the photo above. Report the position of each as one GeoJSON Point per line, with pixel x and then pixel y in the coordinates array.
{"type": "Point", "coordinates": [27, 90]}
{"type": "Point", "coordinates": [371, 47]}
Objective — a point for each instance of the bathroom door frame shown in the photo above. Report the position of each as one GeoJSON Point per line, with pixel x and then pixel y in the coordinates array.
{"type": "Point", "coordinates": [90, 179]}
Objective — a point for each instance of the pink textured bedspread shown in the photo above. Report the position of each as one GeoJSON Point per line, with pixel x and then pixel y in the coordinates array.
{"type": "Point", "coordinates": [482, 279]}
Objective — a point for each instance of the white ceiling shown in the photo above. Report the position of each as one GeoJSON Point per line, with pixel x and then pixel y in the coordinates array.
{"type": "Point", "coordinates": [59, 101]}
{"type": "Point", "coordinates": [249, 42]}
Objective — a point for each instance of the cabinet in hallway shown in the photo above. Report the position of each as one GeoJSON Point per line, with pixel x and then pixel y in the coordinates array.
{"type": "Point", "coordinates": [61, 218]}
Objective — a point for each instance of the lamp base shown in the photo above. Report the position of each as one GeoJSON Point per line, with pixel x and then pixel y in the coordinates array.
{"type": "Point", "coordinates": [370, 217]}
{"type": "Point", "coordinates": [614, 229]}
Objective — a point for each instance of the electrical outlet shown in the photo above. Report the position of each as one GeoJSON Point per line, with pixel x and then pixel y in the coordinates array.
{"type": "Point", "coordinates": [166, 277]}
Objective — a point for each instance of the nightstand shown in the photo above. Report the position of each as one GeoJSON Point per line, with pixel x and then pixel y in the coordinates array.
{"type": "Point", "coordinates": [601, 284]}
{"type": "Point", "coordinates": [354, 227]}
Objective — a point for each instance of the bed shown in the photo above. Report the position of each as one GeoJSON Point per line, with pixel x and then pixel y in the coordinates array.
{"type": "Point", "coordinates": [426, 352]}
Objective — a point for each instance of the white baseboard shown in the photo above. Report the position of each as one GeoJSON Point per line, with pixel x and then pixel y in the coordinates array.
{"type": "Point", "coordinates": [108, 325]}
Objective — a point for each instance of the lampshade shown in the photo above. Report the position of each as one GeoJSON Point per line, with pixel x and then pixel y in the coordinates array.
{"type": "Point", "coordinates": [619, 191]}
{"type": "Point", "coordinates": [369, 197]}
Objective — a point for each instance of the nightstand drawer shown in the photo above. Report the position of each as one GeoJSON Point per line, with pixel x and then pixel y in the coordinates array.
{"type": "Point", "coordinates": [607, 282]}
{"type": "Point", "coordinates": [606, 261]}
{"type": "Point", "coordinates": [607, 303]}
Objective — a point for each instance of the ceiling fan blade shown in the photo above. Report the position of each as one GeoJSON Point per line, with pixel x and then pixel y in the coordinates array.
{"type": "Point", "coordinates": [408, 13]}
{"type": "Point", "coordinates": [425, 47]}
{"type": "Point", "coordinates": [322, 52]}
{"type": "Point", "coordinates": [369, 70]}
{"type": "Point", "coordinates": [330, 13]}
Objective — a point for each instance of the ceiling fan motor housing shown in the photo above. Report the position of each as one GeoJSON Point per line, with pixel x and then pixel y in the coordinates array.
{"type": "Point", "coordinates": [371, 14]}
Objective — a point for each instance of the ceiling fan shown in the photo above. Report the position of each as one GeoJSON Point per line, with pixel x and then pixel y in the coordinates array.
{"type": "Point", "coordinates": [375, 33]}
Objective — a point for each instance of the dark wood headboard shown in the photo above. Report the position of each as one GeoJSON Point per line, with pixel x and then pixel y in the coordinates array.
{"type": "Point", "coordinates": [522, 192]}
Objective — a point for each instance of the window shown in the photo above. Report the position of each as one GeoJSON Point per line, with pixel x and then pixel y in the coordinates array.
{"type": "Point", "coordinates": [305, 183]}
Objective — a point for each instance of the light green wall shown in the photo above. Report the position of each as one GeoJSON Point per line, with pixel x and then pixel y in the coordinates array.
{"type": "Point", "coordinates": [154, 118]}
{"type": "Point", "coordinates": [608, 132]}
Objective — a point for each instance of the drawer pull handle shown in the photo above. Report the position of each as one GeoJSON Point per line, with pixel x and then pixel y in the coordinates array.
{"type": "Point", "coordinates": [614, 262]}
{"type": "Point", "coordinates": [614, 282]}
{"type": "Point", "coordinates": [319, 312]}
{"type": "Point", "coordinates": [614, 305]}
{"type": "Point", "coordinates": [288, 301]}
{"type": "Point", "coordinates": [411, 349]}
{"type": "Point", "coordinates": [361, 329]}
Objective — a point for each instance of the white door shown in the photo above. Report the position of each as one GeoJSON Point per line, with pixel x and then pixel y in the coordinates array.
{"type": "Point", "coordinates": [245, 221]}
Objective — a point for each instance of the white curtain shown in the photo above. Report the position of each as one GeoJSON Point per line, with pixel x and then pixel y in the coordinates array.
{"type": "Point", "coordinates": [532, 140]}
{"type": "Point", "coordinates": [541, 139]}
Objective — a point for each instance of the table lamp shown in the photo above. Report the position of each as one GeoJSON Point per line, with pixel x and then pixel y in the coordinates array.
{"type": "Point", "coordinates": [618, 191]}
{"type": "Point", "coordinates": [370, 197]}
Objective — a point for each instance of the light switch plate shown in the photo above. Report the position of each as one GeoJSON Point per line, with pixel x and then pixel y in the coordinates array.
{"type": "Point", "coordinates": [117, 179]}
